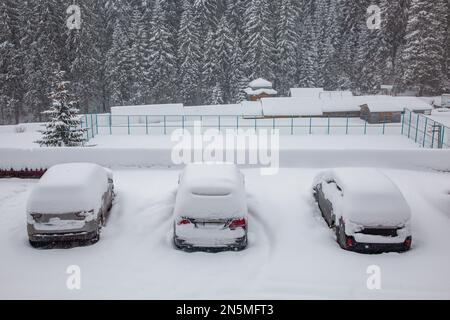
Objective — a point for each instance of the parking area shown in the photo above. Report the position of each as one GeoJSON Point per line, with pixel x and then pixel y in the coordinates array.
{"type": "Point", "coordinates": [291, 254]}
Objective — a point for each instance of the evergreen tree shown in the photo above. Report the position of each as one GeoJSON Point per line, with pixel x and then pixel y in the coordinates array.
{"type": "Point", "coordinates": [288, 39]}
{"type": "Point", "coordinates": [162, 59]}
{"type": "Point", "coordinates": [42, 43]}
{"type": "Point", "coordinates": [83, 57]}
{"type": "Point", "coordinates": [63, 128]}
{"type": "Point", "coordinates": [423, 56]}
{"type": "Point", "coordinates": [259, 42]}
{"type": "Point", "coordinates": [11, 59]}
{"type": "Point", "coordinates": [190, 55]}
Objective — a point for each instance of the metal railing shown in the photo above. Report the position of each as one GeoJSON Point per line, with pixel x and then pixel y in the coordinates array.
{"type": "Point", "coordinates": [106, 124]}
{"type": "Point", "coordinates": [425, 131]}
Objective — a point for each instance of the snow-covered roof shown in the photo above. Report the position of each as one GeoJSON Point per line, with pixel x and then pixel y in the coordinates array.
{"type": "Point", "coordinates": [369, 198]}
{"type": "Point", "coordinates": [306, 92]}
{"type": "Point", "coordinates": [149, 110]}
{"type": "Point", "coordinates": [393, 104]}
{"type": "Point", "coordinates": [211, 190]}
{"type": "Point", "coordinates": [335, 94]}
{"type": "Point", "coordinates": [295, 107]}
{"type": "Point", "coordinates": [68, 188]}
{"type": "Point", "coordinates": [260, 83]}
{"type": "Point", "coordinates": [387, 86]}
{"type": "Point", "coordinates": [257, 92]}
{"type": "Point", "coordinates": [348, 104]}
{"type": "Point", "coordinates": [252, 108]}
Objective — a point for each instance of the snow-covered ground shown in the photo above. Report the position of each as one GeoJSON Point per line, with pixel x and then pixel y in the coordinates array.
{"type": "Point", "coordinates": [292, 253]}
{"type": "Point", "coordinates": [442, 116]}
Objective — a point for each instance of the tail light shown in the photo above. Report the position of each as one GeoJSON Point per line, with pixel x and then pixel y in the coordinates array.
{"type": "Point", "coordinates": [36, 216]}
{"type": "Point", "coordinates": [238, 223]}
{"type": "Point", "coordinates": [349, 241]}
{"type": "Point", "coordinates": [184, 222]}
{"type": "Point", "coordinates": [408, 243]}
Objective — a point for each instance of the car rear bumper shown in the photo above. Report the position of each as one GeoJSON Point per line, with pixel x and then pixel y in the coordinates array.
{"type": "Point", "coordinates": [378, 247]}
{"type": "Point", "coordinates": [191, 246]}
{"type": "Point", "coordinates": [87, 232]}
{"type": "Point", "coordinates": [66, 237]}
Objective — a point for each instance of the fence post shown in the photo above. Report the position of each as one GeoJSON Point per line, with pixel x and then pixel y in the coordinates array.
{"type": "Point", "coordinates": [425, 132]}
{"type": "Point", "coordinates": [273, 124]}
{"type": "Point", "coordinates": [384, 124]}
{"type": "Point", "coordinates": [442, 137]}
{"type": "Point", "coordinates": [328, 129]}
{"type": "Point", "coordinates": [129, 129]}
{"type": "Point", "coordinates": [92, 126]}
{"type": "Point", "coordinates": [237, 122]}
{"type": "Point", "coordinates": [417, 127]}
{"type": "Point", "coordinates": [292, 126]}
{"type": "Point", "coordinates": [165, 125]}
{"type": "Point", "coordinates": [403, 121]}
{"type": "Point", "coordinates": [365, 127]}
{"type": "Point", "coordinates": [110, 124]}
{"type": "Point", "coordinates": [410, 121]}
{"type": "Point", "coordinates": [96, 123]}
{"type": "Point", "coordinates": [310, 125]}
{"type": "Point", "coordinates": [146, 125]}
{"type": "Point", "coordinates": [346, 127]}
{"type": "Point", "coordinates": [182, 123]}
{"type": "Point", "coordinates": [256, 125]}
{"type": "Point", "coordinates": [220, 124]}
{"type": "Point", "coordinates": [433, 134]}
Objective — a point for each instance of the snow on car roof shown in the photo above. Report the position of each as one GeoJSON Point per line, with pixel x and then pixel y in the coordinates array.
{"type": "Point", "coordinates": [211, 190]}
{"type": "Point", "coordinates": [289, 106]}
{"type": "Point", "coordinates": [370, 198]}
{"type": "Point", "coordinates": [67, 188]}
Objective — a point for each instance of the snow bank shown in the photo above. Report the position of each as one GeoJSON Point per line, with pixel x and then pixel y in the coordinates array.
{"type": "Point", "coordinates": [42, 158]}
{"type": "Point", "coordinates": [291, 107]}
{"type": "Point", "coordinates": [369, 198]}
{"type": "Point", "coordinates": [69, 188]}
{"type": "Point", "coordinates": [211, 191]}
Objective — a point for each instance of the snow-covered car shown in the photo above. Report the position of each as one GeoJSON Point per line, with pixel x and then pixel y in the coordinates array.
{"type": "Point", "coordinates": [211, 212]}
{"type": "Point", "coordinates": [69, 205]}
{"type": "Point", "coordinates": [366, 209]}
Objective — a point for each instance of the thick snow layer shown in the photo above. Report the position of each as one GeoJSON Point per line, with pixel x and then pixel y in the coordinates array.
{"type": "Point", "coordinates": [335, 95]}
{"type": "Point", "coordinates": [388, 103]}
{"type": "Point", "coordinates": [257, 92]}
{"type": "Point", "coordinates": [307, 151]}
{"type": "Point", "coordinates": [69, 188]}
{"type": "Point", "coordinates": [211, 191]}
{"type": "Point", "coordinates": [292, 107]}
{"type": "Point", "coordinates": [260, 83]}
{"type": "Point", "coordinates": [289, 253]}
{"type": "Point", "coordinates": [368, 197]}
{"type": "Point", "coordinates": [306, 92]}
{"type": "Point", "coordinates": [344, 104]}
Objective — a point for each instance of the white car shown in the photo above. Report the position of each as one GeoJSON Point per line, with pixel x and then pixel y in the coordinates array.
{"type": "Point", "coordinates": [367, 210]}
{"type": "Point", "coordinates": [69, 205]}
{"type": "Point", "coordinates": [211, 211]}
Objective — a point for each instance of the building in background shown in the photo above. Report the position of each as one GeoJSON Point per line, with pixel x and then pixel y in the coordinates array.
{"type": "Point", "coordinates": [260, 88]}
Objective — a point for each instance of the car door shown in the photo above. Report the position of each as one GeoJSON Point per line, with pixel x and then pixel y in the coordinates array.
{"type": "Point", "coordinates": [326, 206]}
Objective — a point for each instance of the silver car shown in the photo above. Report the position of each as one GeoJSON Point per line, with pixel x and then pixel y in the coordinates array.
{"type": "Point", "coordinates": [70, 205]}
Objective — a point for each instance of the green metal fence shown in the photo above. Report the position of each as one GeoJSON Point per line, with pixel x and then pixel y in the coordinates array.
{"type": "Point", "coordinates": [106, 124]}
{"type": "Point", "coordinates": [425, 131]}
